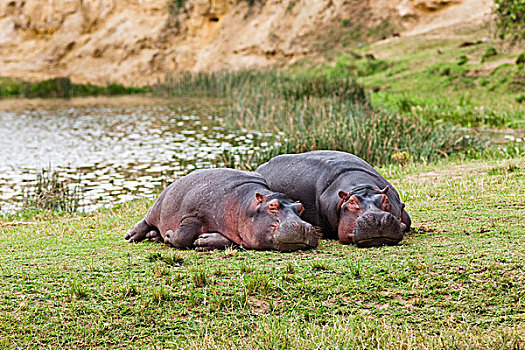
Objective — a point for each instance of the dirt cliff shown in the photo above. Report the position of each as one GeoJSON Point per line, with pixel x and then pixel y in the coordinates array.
{"type": "Point", "coordinates": [139, 41]}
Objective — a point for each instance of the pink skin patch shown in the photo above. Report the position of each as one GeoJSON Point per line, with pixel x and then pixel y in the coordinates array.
{"type": "Point", "coordinates": [349, 209]}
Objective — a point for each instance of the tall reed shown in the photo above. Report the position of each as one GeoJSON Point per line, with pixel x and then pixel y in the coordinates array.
{"type": "Point", "coordinates": [312, 113]}
{"type": "Point", "coordinates": [255, 83]}
{"type": "Point", "coordinates": [50, 192]}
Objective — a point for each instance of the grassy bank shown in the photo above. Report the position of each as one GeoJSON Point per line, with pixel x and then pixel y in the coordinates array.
{"type": "Point", "coordinates": [455, 282]}
{"type": "Point", "coordinates": [60, 87]}
{"type": "Point", "coordinates": [465, 78]}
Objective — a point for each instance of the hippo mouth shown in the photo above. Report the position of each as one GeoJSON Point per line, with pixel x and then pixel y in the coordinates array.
{"type": "Point", "coordinates": [377, 229]}
{"type": "Point", "coordinates": [295, 236]}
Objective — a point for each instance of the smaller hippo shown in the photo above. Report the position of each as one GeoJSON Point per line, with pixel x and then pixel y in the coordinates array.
{"type": "Point", "coordinates": [216, 208]}
{"type": "Point", "coordinates": [342, 194]}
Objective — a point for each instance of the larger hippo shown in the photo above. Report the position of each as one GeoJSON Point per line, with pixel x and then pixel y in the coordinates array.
{"type": "Point", "coordinates": [216, 208]}
{"type": "Point", "coordinates": [342, 194]}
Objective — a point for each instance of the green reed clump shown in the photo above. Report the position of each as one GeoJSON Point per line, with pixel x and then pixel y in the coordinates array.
{"type": "Point", "coordinates": [316, 124]}
{"type": "Point", "coordinates": [314, 113]}
{"type": "Point", "coordinates": [62, 88]}
{"type": "Point", "coordinates": [52, 193]}
{"type": "Point", "coordinates": [171, 259]}
{"type": "Point", "coordinates": [255, 83]}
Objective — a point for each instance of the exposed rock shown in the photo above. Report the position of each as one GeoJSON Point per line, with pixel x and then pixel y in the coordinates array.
{"type": "Point", "coordinates": [432, 5]}
{"type": "Point", "coordinates": [137, 42]}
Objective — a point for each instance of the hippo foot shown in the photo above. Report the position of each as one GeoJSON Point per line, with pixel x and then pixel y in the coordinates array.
{"type": "Point", "coordinates": [212, 241]}
{"type": "Point", "coordinates": [138, 232]}
{"type": "Point", "coordinates": [155, 236]}
{"type": "Point", "coordinates": [183, 238]}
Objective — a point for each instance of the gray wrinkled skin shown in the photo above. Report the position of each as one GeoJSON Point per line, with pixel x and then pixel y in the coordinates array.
{"type": "Point", "coordinates": [217, 208]}
{"type": "Point", "coordinates": [342, 194]}
{"type": "Point", "coordinates": [375, 228]}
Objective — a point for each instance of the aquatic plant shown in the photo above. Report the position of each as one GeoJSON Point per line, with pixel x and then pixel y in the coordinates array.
{"type": "Point", "coordinates": [50, 192]}
{"type": "Point", "coordinates": [313, 113]}
{"type": "Point", "coordinates": [392, 134]}
{"type": "Point", "coordinates": [250, 83]}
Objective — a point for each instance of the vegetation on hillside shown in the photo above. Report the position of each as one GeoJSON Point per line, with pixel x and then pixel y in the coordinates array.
{"type": "Point", "coordinates": [510, 18]}
{"type": "Point", "coordinates": [465, 82]}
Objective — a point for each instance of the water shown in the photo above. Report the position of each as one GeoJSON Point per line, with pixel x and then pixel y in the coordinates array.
{"type": "Point", "coordinates": [117, 149]}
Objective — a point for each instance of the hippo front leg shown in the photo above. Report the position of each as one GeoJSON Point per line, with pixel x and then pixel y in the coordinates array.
{"type": "Point", "coordinates": [188, 231]}
{"type": "Point", "coordinates": [212, 241]}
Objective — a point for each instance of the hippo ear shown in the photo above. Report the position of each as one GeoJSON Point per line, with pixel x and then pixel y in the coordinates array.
{"type": "Point", "coordinates": [342, 194]}
{"type": "Point", "coordinates": [259, 197]}
{"type": "Point", "coordinates": [385, 204]}
{"type": "Point", "coordinates": [297, 205]}
{"type": "Point", "coordinates": [384, 190]}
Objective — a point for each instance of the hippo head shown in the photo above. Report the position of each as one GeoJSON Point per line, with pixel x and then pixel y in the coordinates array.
{"type": "Point", "coordinates": [365, 218]}
{"type": "Point", "coordinates": [274, 222]}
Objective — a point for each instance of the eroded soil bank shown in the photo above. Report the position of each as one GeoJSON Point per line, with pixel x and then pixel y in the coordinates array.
{"type": "Point", "coordinates": [136, 42]}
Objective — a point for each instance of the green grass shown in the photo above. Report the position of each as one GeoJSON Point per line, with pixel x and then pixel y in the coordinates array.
{"type": "Point", "coordinates": [435, 79]}
{"type": "Point", "coordinates": [456, 282]}
{"type": "Point", "coordinates": [60, 87]}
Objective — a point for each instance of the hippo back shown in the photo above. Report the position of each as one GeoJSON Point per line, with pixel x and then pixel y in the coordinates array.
{"type": "Point", "coordinates": [206, 192]}
{"type": "Point", "coordinates": [308, 176]}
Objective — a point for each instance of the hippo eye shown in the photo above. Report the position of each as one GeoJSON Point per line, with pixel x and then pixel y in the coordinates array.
{"type": "Point", "coordinates": [274, 206]}
{"type": "Point", "coordinates": [352, 204]}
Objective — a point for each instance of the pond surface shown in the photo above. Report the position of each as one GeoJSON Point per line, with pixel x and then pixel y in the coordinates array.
{"type": "Point", "coordinates": [115, 149]}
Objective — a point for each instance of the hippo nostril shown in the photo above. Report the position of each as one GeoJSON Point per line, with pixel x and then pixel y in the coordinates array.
{"type": "Point", "coordinates": [390, 221]}
{"type": "Point", "coordinates": [370, 219]}
{"type": "Point", "coordinates": [305, 230]}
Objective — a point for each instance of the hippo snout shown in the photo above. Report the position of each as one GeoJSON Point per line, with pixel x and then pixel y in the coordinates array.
{"type": "Point", "coordinates": [294, 235]}
{"type": "Point", "coordinates": [377, 228]}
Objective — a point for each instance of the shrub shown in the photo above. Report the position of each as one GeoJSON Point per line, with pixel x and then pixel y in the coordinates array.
{"type": "Point", "coordinates": [61, 88]}
{"type": "Point", "coordinates": [510, 19]}
{"type": "Point", "coordinates": [489, 52]}
{"type": "Point", "coordinates": [462, 60]}
{"type": "Point", "coordinates": [520, 59]}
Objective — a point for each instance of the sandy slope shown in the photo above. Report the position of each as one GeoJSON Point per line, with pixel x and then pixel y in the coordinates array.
{"type": "Point", "coordinates": [138, 41]}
